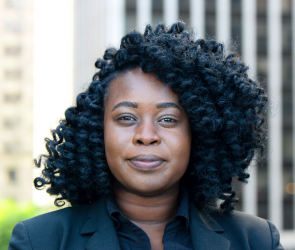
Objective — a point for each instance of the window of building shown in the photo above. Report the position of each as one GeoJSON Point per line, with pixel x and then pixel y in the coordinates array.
{"type": "Point", "coordinates": [12, 176]}
{"type": "Point", "coordinates": [13, 4]}
{"type": "Point", "coordinates": [11, 123]}
{"type": "Point", "coordinates": [12, 50]}
{"type": "Point", "coordinates": [12, 98]}
{"type": "Point", "coordinates": [15, 26]}
{"type": "Point", "coordinates": [12, 74]}
{"type": "Point", "coordinates": [11, 147]}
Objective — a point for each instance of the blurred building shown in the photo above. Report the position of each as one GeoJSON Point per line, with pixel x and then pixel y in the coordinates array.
{"type": "Point", "coordinates": [16, 93]}
{"type": "Point", "coordinates": [70, 35]}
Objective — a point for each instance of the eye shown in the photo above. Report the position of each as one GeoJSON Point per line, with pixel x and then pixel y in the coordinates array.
{"type": "Point", "coordinates": [126, 119]}
{"type": "Point", "coordinates": [168, 120]}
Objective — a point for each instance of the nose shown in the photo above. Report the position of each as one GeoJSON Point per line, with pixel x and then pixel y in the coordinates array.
{"type": "Point", "coordinates": [146, 134]}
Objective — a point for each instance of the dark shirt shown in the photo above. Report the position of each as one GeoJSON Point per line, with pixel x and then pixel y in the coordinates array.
{"type": "Point", "coordinates": [176, 234]}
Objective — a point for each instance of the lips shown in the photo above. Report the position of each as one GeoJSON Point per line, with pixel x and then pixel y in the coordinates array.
{"type": "Point", "coordinates": [146, 162]}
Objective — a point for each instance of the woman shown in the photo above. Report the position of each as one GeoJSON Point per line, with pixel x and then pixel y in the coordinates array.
{"type": "Point", "coordinates": [151, 145]}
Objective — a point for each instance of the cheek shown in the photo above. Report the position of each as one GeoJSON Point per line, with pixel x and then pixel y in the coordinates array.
{"type": "Point", "coordinates": [183, 148]}
{"type": "Point", "coordinates": [179, 146]}
{"type": "Point", "coordinates": [180, 143]}
{"type": "Point", "coordinates": [115, 144]}
{"type": "Point", "coordinates": [111, 144]}
{"type": "Point", "coordinates": [112, 150]}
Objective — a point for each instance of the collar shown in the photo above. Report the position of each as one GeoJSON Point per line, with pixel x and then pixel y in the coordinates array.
{"type": "Point", "coordinates": [203, 228]}
{"type": "Point", "coordinates": [182, 212]}
{"type": "Point", "coordinates": [101, 226]}
{"type": "Point", "coordinates": [183, 209]}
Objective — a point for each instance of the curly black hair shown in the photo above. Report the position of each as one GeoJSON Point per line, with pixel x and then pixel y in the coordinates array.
{"type": "Point", "coordinates": [225, 109]}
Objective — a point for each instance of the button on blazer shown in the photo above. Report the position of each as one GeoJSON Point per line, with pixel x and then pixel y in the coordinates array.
{"type": "Point", "coordinates": [89, 227]}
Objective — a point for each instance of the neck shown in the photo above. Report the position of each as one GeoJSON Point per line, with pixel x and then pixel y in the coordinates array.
{"type": "Point", "coordinates": [156, 209]}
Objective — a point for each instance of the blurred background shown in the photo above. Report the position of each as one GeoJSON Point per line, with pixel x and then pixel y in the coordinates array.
{"type": "Point", "coordinates": [47, 54]}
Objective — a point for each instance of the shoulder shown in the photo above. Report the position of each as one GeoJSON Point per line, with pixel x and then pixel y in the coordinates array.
{"type": "Point", "coordinates": [240, 220]}
{"type": "Point", "coordinates": [49, 230]}
{"type": "Point", "coordinates": [62, 218]}
{"type": "Point", "coordinates": [253, 230]}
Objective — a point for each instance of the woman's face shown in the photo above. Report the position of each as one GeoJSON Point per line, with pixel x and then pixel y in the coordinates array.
{"type": "Point", "coordinates": [147, 134]}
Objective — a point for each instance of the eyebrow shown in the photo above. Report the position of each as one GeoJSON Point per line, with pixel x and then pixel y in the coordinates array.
{"type": "Point", "coordinates": [164, 105]}
{"type": "Point", "coordinates": [161, 105]}
{"type": "Point", "coordinates": [126, 104]}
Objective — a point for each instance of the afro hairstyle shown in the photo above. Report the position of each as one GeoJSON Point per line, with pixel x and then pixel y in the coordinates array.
{"type": "Point", "coordinates": [225, 109]}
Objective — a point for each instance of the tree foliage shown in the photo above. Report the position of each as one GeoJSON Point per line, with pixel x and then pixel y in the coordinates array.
{"type": "Point", "coordinates": [11, 213]}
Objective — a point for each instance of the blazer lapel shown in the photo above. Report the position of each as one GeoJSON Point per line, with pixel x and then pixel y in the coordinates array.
{"type": "Point", "coordinates": [101, 226]}
{"type": "Point", "coordinates": [204, 231]}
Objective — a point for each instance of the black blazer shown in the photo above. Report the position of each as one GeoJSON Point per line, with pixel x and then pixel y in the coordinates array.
{"type": "Point", "coordinates": [89, 227]}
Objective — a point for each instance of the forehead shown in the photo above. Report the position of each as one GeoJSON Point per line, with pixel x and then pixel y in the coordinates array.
{"type": "Point", "coordinates": [135, 85]}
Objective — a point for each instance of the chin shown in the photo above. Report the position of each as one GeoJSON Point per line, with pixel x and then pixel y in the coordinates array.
{"type": "Point", "coordinates": [150, 188]}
